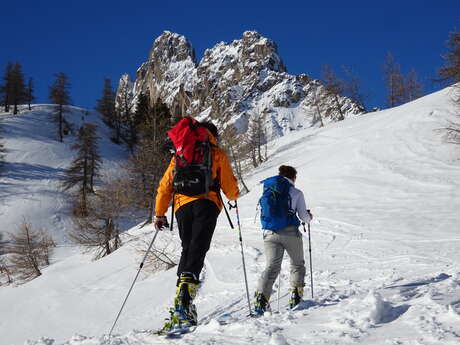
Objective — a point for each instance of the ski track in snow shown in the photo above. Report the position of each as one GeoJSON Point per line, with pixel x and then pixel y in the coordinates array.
{"type": "Point", "coordinates": [383, 189]}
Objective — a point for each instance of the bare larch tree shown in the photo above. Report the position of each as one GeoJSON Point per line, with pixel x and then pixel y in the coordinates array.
{"type": "Point", "coordinates": [17, 88]}
{"type": "Point", "coordinates": [394, 81]}
{"type": "Point", "coordinates": [85, 167]}
{"type": "Point", "coordinates": [5, 88]}
{"type": "Point", "coordinates": [106, 104]}
{"type": "Point", "coordinates": [98, 230]}
{"type": "Point", "coordinates": [30, 93]}
{"type": "Point", "coordinates": [150, 158]}
{"type": "Point", "coordinates": [30, 251]}
{"type": "Point", "coordinates": [450, 73]}
{"type": "Point", "coordinates": [333, 87]}
{"type": "Point", "coordinates": [256, 139]}
{"type": "Point", "coordinates": [59, 94]}
{"type": "Point", "coordinates": [231, 142]}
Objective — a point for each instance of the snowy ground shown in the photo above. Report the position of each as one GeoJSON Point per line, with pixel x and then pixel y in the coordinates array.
{"type": "Point", "coordinates": [35, 163]}
{"type": "Point", "coordinates": [384, 190]}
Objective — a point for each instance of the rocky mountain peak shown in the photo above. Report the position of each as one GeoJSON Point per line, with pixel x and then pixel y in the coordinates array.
{"type": "Point", "coordinates": [171, 47]}
{"type": "Point", "coordinates": [259, 49]}
{"type": "Point", "coordinates": [235, 83]}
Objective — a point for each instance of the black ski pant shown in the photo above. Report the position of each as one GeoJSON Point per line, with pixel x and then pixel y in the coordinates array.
{"type": "Point", "coordinates": [196, 221]}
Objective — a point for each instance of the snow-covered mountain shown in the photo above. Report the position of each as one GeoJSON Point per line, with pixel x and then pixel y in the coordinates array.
{"type": "Point", "coordinates": [385, 193]}
{"type": "Point", "coordinates": [30, 185]}
{"type": "Point", "coordinates": [234, 83]}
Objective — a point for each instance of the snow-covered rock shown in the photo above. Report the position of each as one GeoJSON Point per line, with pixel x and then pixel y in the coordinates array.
{"type": "Point", "coordinates": [238, 80]}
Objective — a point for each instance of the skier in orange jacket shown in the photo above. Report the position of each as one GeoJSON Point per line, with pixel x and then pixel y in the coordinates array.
{"type": "Point", "coordinates": [196, 218]}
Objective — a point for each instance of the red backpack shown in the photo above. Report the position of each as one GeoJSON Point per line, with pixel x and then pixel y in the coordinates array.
{"type": "Point", "coordinates": [193, 153]}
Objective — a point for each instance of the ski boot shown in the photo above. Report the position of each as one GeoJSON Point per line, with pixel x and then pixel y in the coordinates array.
{"type": "Point", "coordinates": [296, 296]}
{"type": "Point", "coordinates": [183, 314]}
{"type": "Point", "coordinates": [261, 304]}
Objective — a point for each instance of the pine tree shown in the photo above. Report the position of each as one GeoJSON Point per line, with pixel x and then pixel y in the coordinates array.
{"type": "Point", "coordinates": [85, 166]}
{"type": "Point", "coordinates": [59, 94]}
{"type": "Point", "coordinates": [30, 93]}
{"type": "Point", "coordinates": [394, 81]}
{"type": "Point", "coordinates": [31, 251]}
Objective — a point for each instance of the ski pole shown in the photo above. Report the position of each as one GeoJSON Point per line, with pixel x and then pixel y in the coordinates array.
{"type": "Point", "coordinates": [309, 249]}
{"type": "Point", "coordinates": [226, 212]}
{"type": "Point", "coordinates": [172, 212]}
{"type": "Point", "coordinates": [279, 290]}
{"type": "Point", "coordinates": [242, 253]}
{"type": "Point", "coordinates": [134, 281]}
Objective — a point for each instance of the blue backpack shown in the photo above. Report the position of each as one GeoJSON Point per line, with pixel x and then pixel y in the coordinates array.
{"type": "Point", "coordinates": [275, 203]}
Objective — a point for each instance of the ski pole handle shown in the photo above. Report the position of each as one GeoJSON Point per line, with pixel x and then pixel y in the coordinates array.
{"type": "Point", "coordinates": [230, 206]}
{"type": "Point", "coordinates": [303, 224]}
{"type": "Point", "coordinates": [225, 209]}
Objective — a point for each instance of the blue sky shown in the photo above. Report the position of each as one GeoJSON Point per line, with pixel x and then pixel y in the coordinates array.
{"type": "Point", "coordinates": [91, 40]}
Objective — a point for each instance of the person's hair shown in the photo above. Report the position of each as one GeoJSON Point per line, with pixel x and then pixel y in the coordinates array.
{"type": "Point", "coordinates": [287, 171]}
{"type": "Point", "coordinates": [211, 127]}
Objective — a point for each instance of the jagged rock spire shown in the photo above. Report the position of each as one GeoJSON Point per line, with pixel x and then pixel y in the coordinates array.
{"type": "Point", "coordinates": [234, 82]}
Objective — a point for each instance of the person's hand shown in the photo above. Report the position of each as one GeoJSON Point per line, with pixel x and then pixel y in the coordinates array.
{"type": "Point", "coordinates": [161, 222]}
{"type": "Point", "coordinates": [309, 213]}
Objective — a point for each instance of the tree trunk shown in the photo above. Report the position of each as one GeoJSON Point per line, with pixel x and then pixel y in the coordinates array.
{"type": "Point", "coordinates": [84, 186]}
{"type": "Point", "coordinates": [151, 209]}
{"type": "Point", "coordinates": [339, 107]}
{"type": "Point", "coordinates": [7, 104]}
{"type": "Point", "coordinates": [319, 115]}
{"type": "Point", "coordinates": [60, 123]}
{"type": "Point", "coordinates": [253, 156]}
{"type": "Point", "coordinates": [30, 256]}
{"type": "Point", "coordinates": [237, 165]}
{"type": "Point", "coordinates": [91, 176]}
{"type": "Point", "coordinates": [108, 232]}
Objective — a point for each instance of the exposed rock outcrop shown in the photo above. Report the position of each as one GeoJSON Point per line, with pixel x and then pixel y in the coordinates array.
{"type": "Point", "coordinates": [235, 82]}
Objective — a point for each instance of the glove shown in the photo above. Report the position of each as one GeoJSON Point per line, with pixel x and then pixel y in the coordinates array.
{"type": "Point", "coordinates": [161, 222]}
{"type": "Point", "coordinates": [308, 221]}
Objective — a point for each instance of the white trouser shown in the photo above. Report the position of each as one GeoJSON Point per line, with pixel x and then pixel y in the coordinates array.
{"type": "Point", "coordinates": [275, 243]}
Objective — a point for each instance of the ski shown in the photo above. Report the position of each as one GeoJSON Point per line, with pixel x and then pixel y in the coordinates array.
{"type": "Point", "coordinates": [303, 305]}
{"type": "Point", "coordinates": [177, 332]}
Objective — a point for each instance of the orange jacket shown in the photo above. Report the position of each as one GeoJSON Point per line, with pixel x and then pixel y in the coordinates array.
{"type": "Point", "coordinates": [221, 170]}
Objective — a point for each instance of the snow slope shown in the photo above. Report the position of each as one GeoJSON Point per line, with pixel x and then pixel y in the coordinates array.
{"type": "Point", "coordinates": [35, 164]}
{"type": "Point", "coordinates": [384, 190]}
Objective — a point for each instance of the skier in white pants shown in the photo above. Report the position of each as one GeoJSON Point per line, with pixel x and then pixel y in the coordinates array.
{"type": "Point", "coordinates": [286, 237]}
